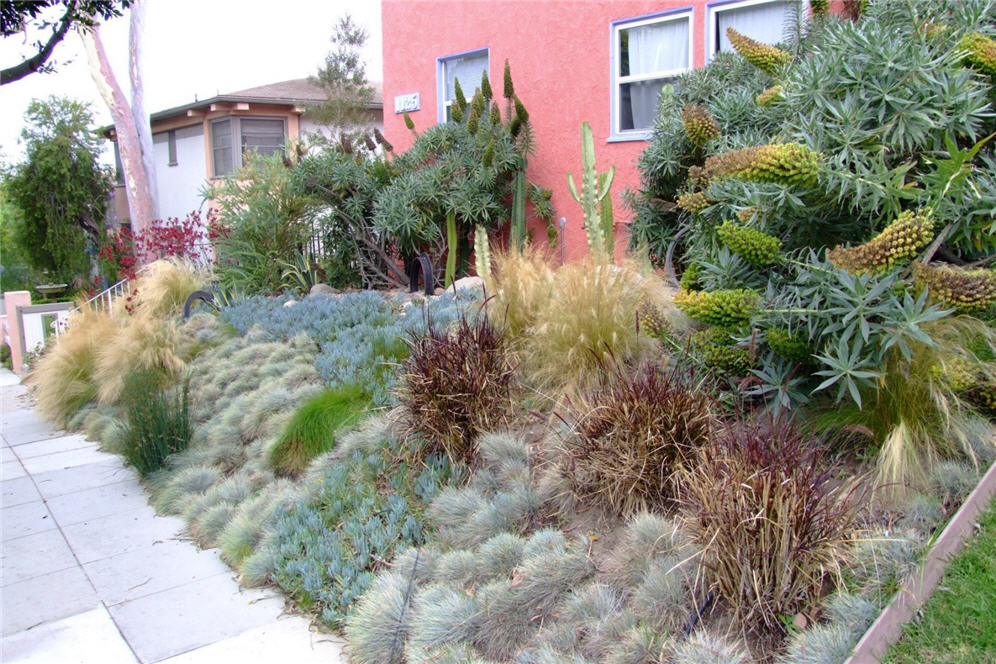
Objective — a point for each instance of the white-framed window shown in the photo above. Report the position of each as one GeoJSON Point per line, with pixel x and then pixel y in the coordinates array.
{"type": "Point", "coordinates": [264, 136]}
{"type": "Point", "coordinates": [762, 20]}
{"type": "Point", "coordinates": [647, 53]}
{"type": "Point", "coordinates": [468, 67]}
{"type": "Point", "coordinates": [171, 148]}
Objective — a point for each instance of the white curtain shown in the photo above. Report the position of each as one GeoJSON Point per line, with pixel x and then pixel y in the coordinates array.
{"type": "Point", "coordinates": [652, 48]}
{"type": "Point", "coordinates": [468, 69]}
{"type": "Point", "coordinates": [765, 23]}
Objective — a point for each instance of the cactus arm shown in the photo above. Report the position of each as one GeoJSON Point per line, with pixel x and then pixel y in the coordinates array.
{"type": "Point", "coordinates": [519, 210]}
{"type": "Point", "coordinates": [605, 182]}
{"type": "Point", "coordinates": [451, 248]}
{"type": "Point", "coordinates": [605, 212]}
{"type": "Point", "coordinates": [573, 187]}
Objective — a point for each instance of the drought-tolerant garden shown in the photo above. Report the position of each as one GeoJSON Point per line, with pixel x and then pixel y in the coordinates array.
{"type": "Point", "coordinates": [732, 446]}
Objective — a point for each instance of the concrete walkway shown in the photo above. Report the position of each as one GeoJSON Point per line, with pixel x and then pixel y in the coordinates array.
{"type": "Point", "coordinates": [91, 575]}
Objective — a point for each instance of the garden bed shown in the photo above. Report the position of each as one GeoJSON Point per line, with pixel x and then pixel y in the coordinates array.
{"type": "Point", "coordinates": [586, 466]}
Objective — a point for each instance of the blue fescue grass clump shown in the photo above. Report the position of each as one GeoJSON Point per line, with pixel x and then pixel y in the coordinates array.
{"type": "Point", "coordinates": [366, 508]}
{"type": "Point", "coordinates": [360, 335]}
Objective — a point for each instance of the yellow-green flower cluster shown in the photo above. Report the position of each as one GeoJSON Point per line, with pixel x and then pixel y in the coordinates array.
{"type": "Point", "coordinates": [794, 347]}
{"type": "Point", "coordinates": [757, 248]}
{"type": "Point", "coordinates": [717, 350]}
{"type": "Point", "coordinates": [968, 291]}
{"type": "Point", "coordinates": [820, 7]}
{"type": "Point", "coordinates": [770, 96]}
{"type": "Point", "coordinates": [694, 201]}
{"type": "Point", "coordinates": [700, 125]}
{"type": "Point", "coordinates": [722, 308]}
{"type": "Point", "coordinates": [690, 277]}
{"type": "Point", "coordinates": [652, 323]}
{"type": "Point", "coordinates": [957, 372]}
{"type": "Point", "coordinates": [898, 243]}
{"type": "Point", "coordinates": [747, 215]}
{"type": "Point", "coordinates": [981, 52]}
{"type": "Point", "coordinates": [764, 57]}
{"type": "Point", "coordinates": [782, 163]}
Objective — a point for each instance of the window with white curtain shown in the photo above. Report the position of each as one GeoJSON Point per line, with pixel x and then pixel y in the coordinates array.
{"type": "Point", "coordinates": [763, 20]}
{"type": "Point", "coordinates": [264, 136]}
{"type": "Point", "coordinates": [648, 53]}
{"type": "Point", "coordinates": [468, 69]}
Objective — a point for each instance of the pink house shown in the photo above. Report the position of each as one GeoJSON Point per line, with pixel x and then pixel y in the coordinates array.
{"type": "Point", "coordinates": [604, 61]}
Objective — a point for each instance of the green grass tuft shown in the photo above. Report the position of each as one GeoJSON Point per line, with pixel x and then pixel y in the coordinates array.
{"type": "Point", "coordinates": [313, 428]}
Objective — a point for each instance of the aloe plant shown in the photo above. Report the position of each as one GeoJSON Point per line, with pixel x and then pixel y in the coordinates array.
{"type": "Point", "coordinates": [594, 197]}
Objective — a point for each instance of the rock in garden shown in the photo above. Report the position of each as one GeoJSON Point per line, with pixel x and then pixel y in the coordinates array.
{"type": "Point", "coordinates": [323, 289]}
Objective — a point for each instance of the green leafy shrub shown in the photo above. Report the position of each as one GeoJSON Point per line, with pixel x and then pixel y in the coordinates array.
{"type": "Point", "coordinates": [261, 225]}
{"type": "Point", "coordinates": [59, 190]}
{"type": "Point", "coordinates": [315, 426]}
{"type": "Point", "coordinates": [633, 434]}
{"type": "Point", "coordinates": [770, 566]}
{"type": "Point", "coordinates": [469, 170]}
{"type": "Point", "coordinates": [158, 424]}
{"type": "Point", "coordinates": [457, 384]}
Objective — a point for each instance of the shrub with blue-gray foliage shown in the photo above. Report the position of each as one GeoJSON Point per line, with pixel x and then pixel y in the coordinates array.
{"type": "Point", "coordinates": [361, 336]}
{"type": "Point", "coordinates": [505, 588]}
{"type": "Point", "coordinates": [363, 508]}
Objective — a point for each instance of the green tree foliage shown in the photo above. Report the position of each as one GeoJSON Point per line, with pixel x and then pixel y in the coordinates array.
{"type": "Point", "coordinates": [381, 207]}
{"type": "Point", "coordinates": [60, 189]}
{"type": "Point", "coordinates": [344, 79]}
{"type": "Point", "coordinates": [15, 270]}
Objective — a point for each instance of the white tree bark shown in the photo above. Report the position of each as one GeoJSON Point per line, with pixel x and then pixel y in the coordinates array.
{"type": "Point", "coordinates": [135, 71]}
{"type": "Point", "coordinates": [136, 178]}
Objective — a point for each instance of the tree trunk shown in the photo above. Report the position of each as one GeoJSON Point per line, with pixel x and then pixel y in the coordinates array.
{"type": "Point", "coordinates": [140, 205]}
{"type": "Point", "coordinates": [138, 112]}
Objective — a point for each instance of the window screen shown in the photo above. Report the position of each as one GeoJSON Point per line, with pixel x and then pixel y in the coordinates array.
{"type": "Point", "coordinates": [649, 55]}
{"type": "Point", "coordinates": [763, 22]}
{"type": "Point", "coordinates": [468, 69]}
{"type": "Point", "coordinates": [264, 137]}
{"type": "Point", "coordinates": [221, 147]}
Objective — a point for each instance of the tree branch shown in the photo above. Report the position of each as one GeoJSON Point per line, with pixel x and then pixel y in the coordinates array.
{"type": "Point", "coordinates": [35, 62]}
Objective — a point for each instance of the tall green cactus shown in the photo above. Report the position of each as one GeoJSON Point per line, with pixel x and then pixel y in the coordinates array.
{"type": "Point", "coordinates": [594, 198]}
{"type": "Point", "coordinates": [518, 230]}
{"type": "Point", "coordinates": [451, 249]}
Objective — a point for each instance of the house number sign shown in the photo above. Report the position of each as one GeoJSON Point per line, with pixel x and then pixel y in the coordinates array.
{"type": "Point", "coordinates": [409, 102]}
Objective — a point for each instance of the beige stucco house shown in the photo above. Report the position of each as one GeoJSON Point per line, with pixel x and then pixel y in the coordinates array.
{"type": "Point", "coordinates": [204, 140]}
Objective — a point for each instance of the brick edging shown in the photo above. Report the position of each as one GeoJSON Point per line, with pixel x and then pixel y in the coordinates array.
{"type": "Point", "coordinates": [887, 629]}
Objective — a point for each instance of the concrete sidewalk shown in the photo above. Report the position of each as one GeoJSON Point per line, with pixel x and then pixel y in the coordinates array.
{"type": "Point", "coordinates": [91, 575]}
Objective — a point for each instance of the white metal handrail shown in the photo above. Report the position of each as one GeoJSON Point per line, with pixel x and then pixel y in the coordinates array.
{"type": "Point", "coordinates": [105, 299]}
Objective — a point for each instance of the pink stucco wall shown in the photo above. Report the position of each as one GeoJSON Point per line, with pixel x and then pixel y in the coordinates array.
{"type": "Point", "coordinates": [559, 52]}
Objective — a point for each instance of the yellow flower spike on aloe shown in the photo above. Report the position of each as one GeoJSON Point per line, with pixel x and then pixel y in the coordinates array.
{"type": "Point", "coordinates": [898, 243]}
{"type": "Point", "coordinates": [763, 56]}
{"type": "Point", "coordinates": [968, 291]}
